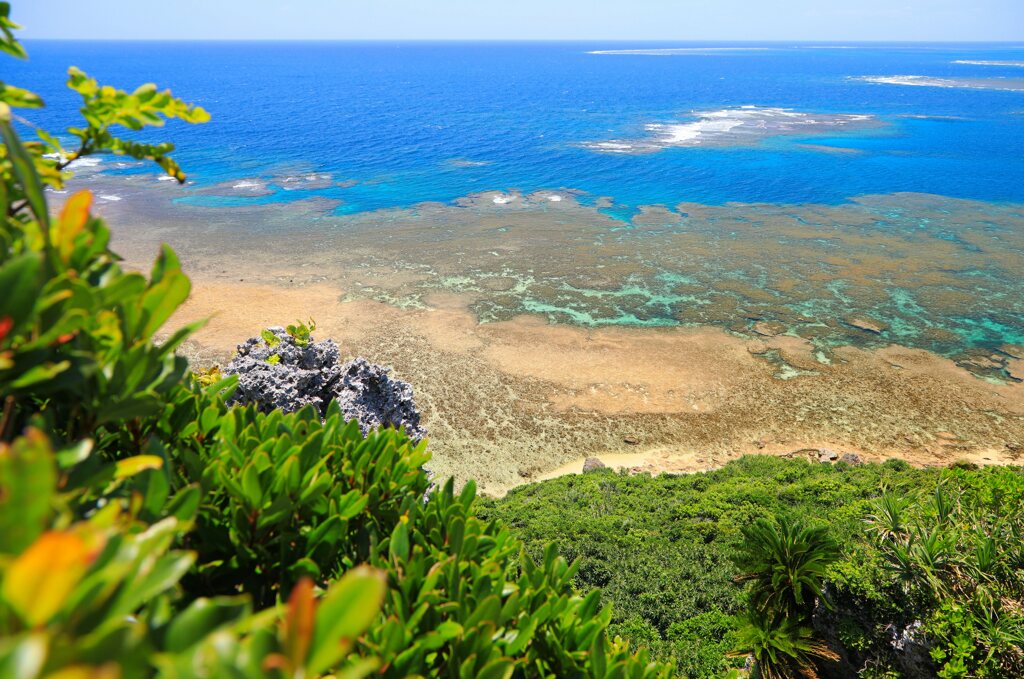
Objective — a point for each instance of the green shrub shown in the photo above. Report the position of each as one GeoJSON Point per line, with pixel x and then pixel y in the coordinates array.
{"type": "Point", "coordinates": [953, 559]}
{"type": "Point", "coordinates": [662, 548]}
{"type": "Point", "coordinates": [291, 496]}
{"type": "Point", "coordinates": [702, 643]}
{"type": "Point", "coordinates": [101, 595]}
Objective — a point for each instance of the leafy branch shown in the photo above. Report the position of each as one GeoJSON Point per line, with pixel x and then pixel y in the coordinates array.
{"type": "Point", "coordinates": [104, 108]}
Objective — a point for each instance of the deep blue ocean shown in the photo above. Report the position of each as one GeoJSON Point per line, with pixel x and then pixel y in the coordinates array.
{"type": "Point", "coordinates": [410, 122]}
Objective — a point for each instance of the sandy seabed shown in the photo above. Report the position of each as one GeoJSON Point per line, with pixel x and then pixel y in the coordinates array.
{"type": "Point", "coordinates": [519, 398]}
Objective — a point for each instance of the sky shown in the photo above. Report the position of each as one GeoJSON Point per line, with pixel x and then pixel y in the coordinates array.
{"type": "Point", "coordinates": [664, 20]}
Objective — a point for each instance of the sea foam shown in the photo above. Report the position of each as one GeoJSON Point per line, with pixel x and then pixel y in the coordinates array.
{"type": "Point", "coordinates": [733, 126]}
{"type": "Point", "coordinates": [1018, 64]}
{"type": "Point", "coordinates": [1004, 84]}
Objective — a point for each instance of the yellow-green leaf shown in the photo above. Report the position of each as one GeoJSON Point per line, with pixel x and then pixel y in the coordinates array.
{"type": "Point", "coordinates": [136, 465]}
{"type": "Point", "coordinates": [73, 219]}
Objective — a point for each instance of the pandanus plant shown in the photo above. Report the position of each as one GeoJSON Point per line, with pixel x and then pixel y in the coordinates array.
{"type": "Point", "coordinates": [785, 561]}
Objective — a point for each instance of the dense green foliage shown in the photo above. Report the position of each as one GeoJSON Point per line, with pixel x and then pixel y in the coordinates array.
{"type": "Point", "coordinates": [952, 557]}
{"type": "Point", "coordinates": [666, 551]}
{"type": "Point", "coordinates": [147, 529]}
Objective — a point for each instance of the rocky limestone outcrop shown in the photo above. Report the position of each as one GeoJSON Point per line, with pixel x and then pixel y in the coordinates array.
{"type": "Point", "coordinates": [290, 373]}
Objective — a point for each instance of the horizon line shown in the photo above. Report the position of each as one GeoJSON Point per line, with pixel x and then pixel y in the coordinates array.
{"type": "Point", "coordinates": [546, 40]}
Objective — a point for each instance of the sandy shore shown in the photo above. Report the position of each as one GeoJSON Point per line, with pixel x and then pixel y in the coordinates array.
{"type": "Point", "coordinates": [521, 400]}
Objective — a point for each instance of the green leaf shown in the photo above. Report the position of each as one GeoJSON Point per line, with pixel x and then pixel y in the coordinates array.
{"type": "Point", "coordinates": [449, 629]}
{"type": "Point", "coordinates": [305, 567]}
{"type": "Point", "coordinates": [202, 618]}
{"type": "Point", "coordinates": [270, 338]}
{"type": "Point", "coordinates": [251, 485]}
{"type": "Point", "coordinates": [169, 291]}
{"type": "Point", "coordinates": [27, 481]}
{"type": "Point", "coordinates": [598, 659]}
{"type": "Point", "coordinates": [8, 44]}
{"type": "Point", "coordinates": [131, 466]}
{"type": "Point", "coordinates": [160, 577]}
{"type": "Point", "coordinates": [398, 548]}
{"type": "Point", "coordinates": [20, 279]}
{"type": "Point", "coordinates": [17, 97]}
{"type": "Point", "coordinates": [39, 373]}
{"type": "Point", "coordinates": [349, 607]}
{"type": "Point", "coordinates": [486, 611]}
{"type": "Point", "coordinates": [185, 503]}
{"type": "Point", "coordinates": [74, 454]}
{"type": "Point", "coordinates": [497, 669]}
{"type": "Point", "coordinates": [25, 171]}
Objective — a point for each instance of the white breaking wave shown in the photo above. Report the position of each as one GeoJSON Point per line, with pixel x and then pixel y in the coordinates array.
{"type": "Point", "coordinates": [312, 177]}
{"type": "Point", "coordinates": [166, 178]}
{"type": "Point", "coordinates": [109, 196]}
{"type": "Point", "coordinates": [88, 161]}
{"type": "Point", "coordinates": [1018, 64]}
{"type": "Point", "coordinates": [674, 51]}
{"type": "Point", "coordinates": [732, 126]}
{"type": "Point", "coordinates": [1004, 84]}
{"type": "Point", "coordinates": [502, 199]}
{"type": "Point", "coordinates": [311, 180]}
{"type": "Point", "coordinates": [248, 184]}
{"type": "Point", "coordinates": [610, 146]}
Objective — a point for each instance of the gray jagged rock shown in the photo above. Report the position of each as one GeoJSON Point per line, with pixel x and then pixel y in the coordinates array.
{"type": "Point", "coordinates": [310, 374]}
{"type": "Point", "coordinates": [301, 375]}
{"type": "Point", "coordinates": [368, 394]}
{"type": "Point", "coordinates": [913, 651]}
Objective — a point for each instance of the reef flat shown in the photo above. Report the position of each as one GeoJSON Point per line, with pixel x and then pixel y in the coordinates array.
{"type": "Point", "coordinates": [538, 331]}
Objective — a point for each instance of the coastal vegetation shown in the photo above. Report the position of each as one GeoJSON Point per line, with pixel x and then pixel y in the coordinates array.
{"type": "Point", "coordinates": [149, 529]}
{"type": "Point", "coordinates": [874, 569]}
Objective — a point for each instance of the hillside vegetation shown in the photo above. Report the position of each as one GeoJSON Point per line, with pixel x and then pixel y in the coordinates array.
{"type": "Point", "coordinates": [928, 576]}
